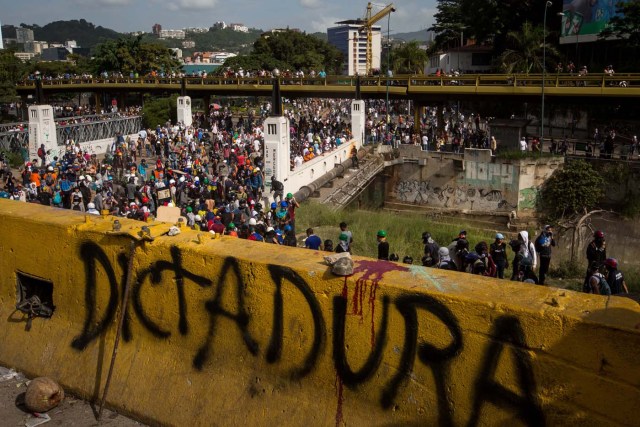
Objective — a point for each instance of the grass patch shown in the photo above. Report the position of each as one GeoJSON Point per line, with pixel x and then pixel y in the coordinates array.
{"type": "Point", "coordinates": [404, 230]}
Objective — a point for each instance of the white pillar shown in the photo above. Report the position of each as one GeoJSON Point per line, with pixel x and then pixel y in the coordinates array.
{"type": "Point", "coordinates": [42, 130]}
{"type": "Point", "coordinates": [277, 149]}
{"type": "Point", "coordinates": [184, 110]}
{"type": "Point", "coordinates": [358, 119]}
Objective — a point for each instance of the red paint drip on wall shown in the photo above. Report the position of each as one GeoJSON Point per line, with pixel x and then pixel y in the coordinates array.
{"type": "Point", "coordinates": [356, 300]}
{"type": "Point", "coordinates": [375, 270]}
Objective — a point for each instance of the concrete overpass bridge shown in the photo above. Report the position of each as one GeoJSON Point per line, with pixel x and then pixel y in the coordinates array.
{"type": "Point", "coordinates": [415, 88]}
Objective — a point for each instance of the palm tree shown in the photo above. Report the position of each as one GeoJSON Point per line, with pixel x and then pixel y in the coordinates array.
{"type": "Point", "coordinates": [408, 59]}
{"type": "Point", "coordinates": [525, 51]}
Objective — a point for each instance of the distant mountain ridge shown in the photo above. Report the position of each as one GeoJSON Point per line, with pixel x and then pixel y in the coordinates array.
{"type": "Point", "coordinates": [88, 35]}
{"type": "Point", "coordinates": [420, 36]}
{"type": "Point", "coordinates": [84, 33]}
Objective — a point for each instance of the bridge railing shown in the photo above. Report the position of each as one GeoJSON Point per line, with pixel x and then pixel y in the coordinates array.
{"type": "Point", "coordinates": [78, 132]}
{"type": "Point", "coordinates": [477, 80]}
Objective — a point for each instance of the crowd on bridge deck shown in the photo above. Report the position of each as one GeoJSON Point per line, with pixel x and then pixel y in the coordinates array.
{"type": "Point", "coordinates": [212, 170]}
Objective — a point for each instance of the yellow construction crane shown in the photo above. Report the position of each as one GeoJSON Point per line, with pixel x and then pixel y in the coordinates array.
{"type": "Point", "coordinates": [367, 26]}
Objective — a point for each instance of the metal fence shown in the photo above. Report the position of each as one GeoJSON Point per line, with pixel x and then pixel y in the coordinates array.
{"type": "Point", "coordinates": [92, 128]}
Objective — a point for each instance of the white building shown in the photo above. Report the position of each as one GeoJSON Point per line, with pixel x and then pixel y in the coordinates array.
{"type": "Point", "coordinates": [177, 51]}
{"type": "Point", "coordinates": [24, 35]}
{"type": "Point", "coordinates": [466, 59]}
{"type": "Point", "coordinates": [220, 57]}
{"type": "Point", "coordinates": [172, 34]}
{"type": "Point", "coordinates": [195, 30]}
{"type": "Point", "coordinates": [347, 38]}
{"type": "Point", "coordinates": [24, 56]}
{"type": "Point", "coordinates": [1, 43]}
{"type": "Point", "coordinates": [188, 44]}
{"type": "Point", "coordinates": [70, 44]}
{"type": "Point", "coordinates": [239, 27]}
{"type": "Point", "coordinates": [35, 47]}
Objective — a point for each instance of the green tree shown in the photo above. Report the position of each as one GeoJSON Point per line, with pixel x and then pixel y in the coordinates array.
{"type": "Point", "coordinates": [625, 25]}
{"type": "Point", "coordinates": [157, 111]}
{"type": "Point", "coordinates": [488, 21]}
{"type": "Point", "coordinates": [290, 50]}
{"type": "Point", "coordinates": [525, 50]}
{"type": "Point", "coordinates": [132, 55]}
{"type": "Point", "coordinates": [12, 70]}
{"type": "Point", "coordinates": [408, 59]}
{"type": "Point", "coordinates": [573, 190]}
{"type": "Point", "coordinates": [449, 24]}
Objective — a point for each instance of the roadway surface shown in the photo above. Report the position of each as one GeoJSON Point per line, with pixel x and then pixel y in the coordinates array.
{"type": "Point", "coordinates": [71, 412]}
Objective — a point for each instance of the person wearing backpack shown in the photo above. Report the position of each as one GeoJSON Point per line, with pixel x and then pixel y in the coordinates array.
{"type": "Point", "coordinates": [597, 284]}
{"type": "Point", "coordinates": [543, 245]}
{"type": "Point", "coordinates": [615, 278]}
{"type": "Point", "coordinates": [527, 248]}
{"type": "Point", "coordinates": [431, 248]}
{"type": "Point", "coordinates": [445, 262]}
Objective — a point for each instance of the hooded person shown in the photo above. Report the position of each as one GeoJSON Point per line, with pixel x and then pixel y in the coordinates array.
{"type": "Point", "coordinates": [445, 262]}
{"type": "Point", "coordinates": [527, 248]}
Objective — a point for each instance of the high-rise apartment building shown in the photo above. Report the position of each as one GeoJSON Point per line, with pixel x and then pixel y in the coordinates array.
{"type": "Point", "coordinates": [24, 35]}
{"type": "Point", "coordinates": [348, 38]}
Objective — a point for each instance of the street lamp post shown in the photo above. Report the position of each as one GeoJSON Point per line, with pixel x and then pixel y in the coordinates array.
{"type": "Point", "coordinates": [544, 69]}
{"type": "Point", "coordinates": [388, 118]}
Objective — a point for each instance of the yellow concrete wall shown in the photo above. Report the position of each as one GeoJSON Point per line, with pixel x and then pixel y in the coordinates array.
{"type": "Point", "coordinates": [229, 332]}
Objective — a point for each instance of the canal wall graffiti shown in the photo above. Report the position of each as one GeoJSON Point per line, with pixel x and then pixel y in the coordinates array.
{"type": "Point", "coordinates": [254, 333]}
{"type": "Point", "coordinates": [479, 183]}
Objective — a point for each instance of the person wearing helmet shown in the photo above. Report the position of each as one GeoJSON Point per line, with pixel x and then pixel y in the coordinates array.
{"type": "Point", "coordinates": [343, 245]}
{"type": "Point", "coordinates": [498, 251]}
{"type": "Point", "coordinates": [383, 245]}
{"type": "Point", "coordinates": [289, 237]}
{"type": "Point", "coordinates": [543, 245]}
{"type": "Point", "coordinates": [291, 211]}
{"type": "Point", "coordinates": [91, 209]}
{"type": "Point", "coordinates": [430, 258]}
{"type": "Point", "coordinates": [615, 278]}
{"type": "Point", "coordinates": [231, 230]}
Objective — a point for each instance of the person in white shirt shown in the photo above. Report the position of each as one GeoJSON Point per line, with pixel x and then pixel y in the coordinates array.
{"type": "Point", "coordinates": [523, 144]}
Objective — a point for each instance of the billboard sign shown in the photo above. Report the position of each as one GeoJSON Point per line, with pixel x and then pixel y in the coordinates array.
{"type": "Point", "coordinates": [583, 20]}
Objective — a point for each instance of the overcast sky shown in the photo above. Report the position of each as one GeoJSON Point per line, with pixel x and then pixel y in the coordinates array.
{"type": "Point", "coordinates": [136, 15]}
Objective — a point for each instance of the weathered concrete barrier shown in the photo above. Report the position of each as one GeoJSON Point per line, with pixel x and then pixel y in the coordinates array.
{"type": "Point", "coordinates": [239, 333]}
